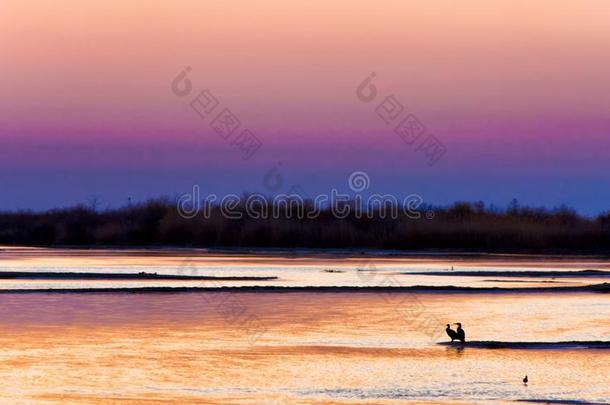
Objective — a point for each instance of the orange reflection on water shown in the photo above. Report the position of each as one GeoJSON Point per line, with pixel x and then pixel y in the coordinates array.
{"type": "Point", "coordinates": [310, 348]}
{"type": "Point", "coordinates": [290, 269]}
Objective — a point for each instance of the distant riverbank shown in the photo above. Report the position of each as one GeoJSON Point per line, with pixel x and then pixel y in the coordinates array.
{"type": "Point", "coordinates": [595, 288]}
{"type": "Point", "coordinates": [461, 226]}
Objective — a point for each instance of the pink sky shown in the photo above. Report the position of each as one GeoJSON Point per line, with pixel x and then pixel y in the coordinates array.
{"type": "Point", "coordinates": [518, 92]}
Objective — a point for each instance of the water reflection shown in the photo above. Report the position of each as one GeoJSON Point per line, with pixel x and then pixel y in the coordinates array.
{"type": "Point", "coordinates": [312, 270]}
{"type": "Point", "coordinates": [295, 347]}
{"type": "Point", "coordinates": [316, 348]}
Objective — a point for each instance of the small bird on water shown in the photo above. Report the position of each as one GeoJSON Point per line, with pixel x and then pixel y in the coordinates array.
{"type": "Point", "coordinates": [525, 380]}
{"type": "Point", "coordinates": [452, 334]}
{"type": "Point", "coordinates": [461, 335]}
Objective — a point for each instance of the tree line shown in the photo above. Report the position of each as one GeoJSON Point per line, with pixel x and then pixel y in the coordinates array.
{"type": "Point", "coordinates": [460, 226]}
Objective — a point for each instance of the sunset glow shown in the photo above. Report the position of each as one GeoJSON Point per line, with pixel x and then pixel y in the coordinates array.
{"type": "Point", "coordinates": [516, 91]}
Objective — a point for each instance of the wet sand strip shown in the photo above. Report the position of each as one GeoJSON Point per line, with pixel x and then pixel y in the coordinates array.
{"type": "Point", "coordinates": [595, 288]}
{"type": "Point", "coordinates": [24, 275]}
{"type": "Point", "coordinates": [491, 344]}
{"type": "Point", "coordinates": [525, 273]}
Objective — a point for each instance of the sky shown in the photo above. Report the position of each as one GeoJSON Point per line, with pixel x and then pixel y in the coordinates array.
{"type": "Point", "coordinates": [515, 95]}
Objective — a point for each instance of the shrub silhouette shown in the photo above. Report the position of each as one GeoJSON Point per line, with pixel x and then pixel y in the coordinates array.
{"type": "Point", "coordinates": [461, 226]}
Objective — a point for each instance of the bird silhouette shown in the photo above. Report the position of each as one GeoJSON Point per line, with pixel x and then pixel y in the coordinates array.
{"type": "Point", "coordinates": [452, 334]}
{"type": "Point", "coordinates": [525, 380]}
{"type": "Point", "coordinates": [460, 334]}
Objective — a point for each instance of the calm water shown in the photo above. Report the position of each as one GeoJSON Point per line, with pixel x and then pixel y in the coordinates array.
{"type": "Point", "coordinates": [293, 348]}
{"type": "Point", "coordinates": [289, 270]}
